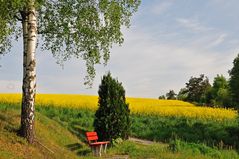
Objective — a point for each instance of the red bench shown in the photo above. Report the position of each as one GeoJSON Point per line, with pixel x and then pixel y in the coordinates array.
{"type": "Point", "coordinates": [96, 146]}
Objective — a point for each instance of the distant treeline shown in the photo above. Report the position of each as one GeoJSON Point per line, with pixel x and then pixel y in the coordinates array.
{"type": "Point", "coordinates": [222, 93]}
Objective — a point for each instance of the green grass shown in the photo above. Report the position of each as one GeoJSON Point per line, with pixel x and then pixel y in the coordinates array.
{"type": "Point", "coordinates": [154, 128]}
{"type": "Point", "coordinates": [60, 142]}
{"type": "Point", "coordinates": [177, 150]}
{"type": "Point", "coordinates": [194, 149]}
{"type": "Point", "coordinates": [191, 130]}
{"type": "Point", "coordinates": [62, 130]}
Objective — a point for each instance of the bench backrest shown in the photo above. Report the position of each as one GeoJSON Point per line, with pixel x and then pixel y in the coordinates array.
{"type": "Point", "coordinates": [91, 136]}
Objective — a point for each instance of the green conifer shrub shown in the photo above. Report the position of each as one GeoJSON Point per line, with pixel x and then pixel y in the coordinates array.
{"type": "Point", "coordinates": [112, 117]}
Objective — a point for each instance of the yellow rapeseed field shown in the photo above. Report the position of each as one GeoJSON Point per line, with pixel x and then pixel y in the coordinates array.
{"type": "Point", "coordinates": [144, 106]}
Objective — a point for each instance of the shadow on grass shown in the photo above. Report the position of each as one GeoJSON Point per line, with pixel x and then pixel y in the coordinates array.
{"type": "Point", "coordinates": [84, 152]}
{"type": "Point", "coordinates": [80, 149]}
{"type": "Point", "coordinates": [74, 147]}
{"type": "Point", "coordinates": [78, 131]}
{"type": "Point", "coordinates": [3, 117]}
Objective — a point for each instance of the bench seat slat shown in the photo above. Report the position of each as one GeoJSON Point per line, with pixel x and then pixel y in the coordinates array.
{"type": "Point", "coordinates": [99, 143]}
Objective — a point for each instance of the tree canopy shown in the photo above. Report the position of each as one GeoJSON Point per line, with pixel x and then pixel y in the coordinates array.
{"type": "Point", "coordinates": [219, 91]}
{"type": "Point", "coordinates": [234, 82]}
{"type": "Point", "coordinates": [196, 90]}
{"type": "Point", "coordinates": [171, 94]}
{"type": "Point", "coordinates": [83, 29]}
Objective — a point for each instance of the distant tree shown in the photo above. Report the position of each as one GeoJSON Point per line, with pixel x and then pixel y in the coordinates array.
{"type": "Point", "coordinates": [197, 88]}
{"type": "Point", "coordinates": [112, 117]}
{"type": "Point", "coordinates": [209, 98]}
{"type": "Point", "coordinates": [220, 92]}
{"type": "Point", "coordinates": [162, 97]}
{"type": "Point", "coordinates": [171, 94]}
{"type": "Point", "coordinates": [234, 83]}
{"type": "Point", "coordinates": [182, 94]}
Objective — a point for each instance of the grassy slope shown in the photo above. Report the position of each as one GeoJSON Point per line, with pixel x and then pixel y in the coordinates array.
{"type": "Point", "coordinates": [48, 132]}
{"type": "Point", "coordinates": [65, 144]}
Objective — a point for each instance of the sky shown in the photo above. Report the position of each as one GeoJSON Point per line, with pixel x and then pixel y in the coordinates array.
{"type": "Point", "coordinates": [168, 42]}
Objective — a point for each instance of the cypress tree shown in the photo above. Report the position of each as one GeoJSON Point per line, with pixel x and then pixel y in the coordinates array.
{"type": "Point", "coordinates": [112, 117]}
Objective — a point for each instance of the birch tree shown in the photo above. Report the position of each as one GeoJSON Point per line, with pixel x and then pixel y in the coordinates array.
{"type": "Point", "coordinates": [84, 29]}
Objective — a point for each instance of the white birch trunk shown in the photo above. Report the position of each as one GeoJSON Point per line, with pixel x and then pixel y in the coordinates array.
{"type": "Point", "coordinates": [25, 36]}
{"type": "Point", "coordinates": [29, 75]}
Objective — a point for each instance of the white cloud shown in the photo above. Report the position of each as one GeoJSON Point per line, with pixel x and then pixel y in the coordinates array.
{"type": "Point", "coordinates": [220, 39]}
{"type": "Point", "coordinates": [193, 25]}
{"type": "Point", "coordinates": [149, 67]}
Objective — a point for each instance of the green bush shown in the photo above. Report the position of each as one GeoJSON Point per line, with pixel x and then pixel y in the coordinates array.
{"type": "Point", "coordinates": [112, 117]}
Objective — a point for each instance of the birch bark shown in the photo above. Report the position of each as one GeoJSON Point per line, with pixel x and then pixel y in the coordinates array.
{"type": "Point", "coordinates": [29, 73]}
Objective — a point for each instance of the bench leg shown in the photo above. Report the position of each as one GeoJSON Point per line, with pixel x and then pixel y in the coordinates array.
{"type": "Point", "coordinates": [96, 150]}
{"type": "Point", "coordinates": [93, 150]}
{"type": "Point", "coordinates": [100, 149]}
{"type": "Point", "coordinates": [105, 147]}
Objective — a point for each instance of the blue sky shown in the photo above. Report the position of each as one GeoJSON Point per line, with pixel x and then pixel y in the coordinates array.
{"type": "Point", "coordinates": [168, 42]}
